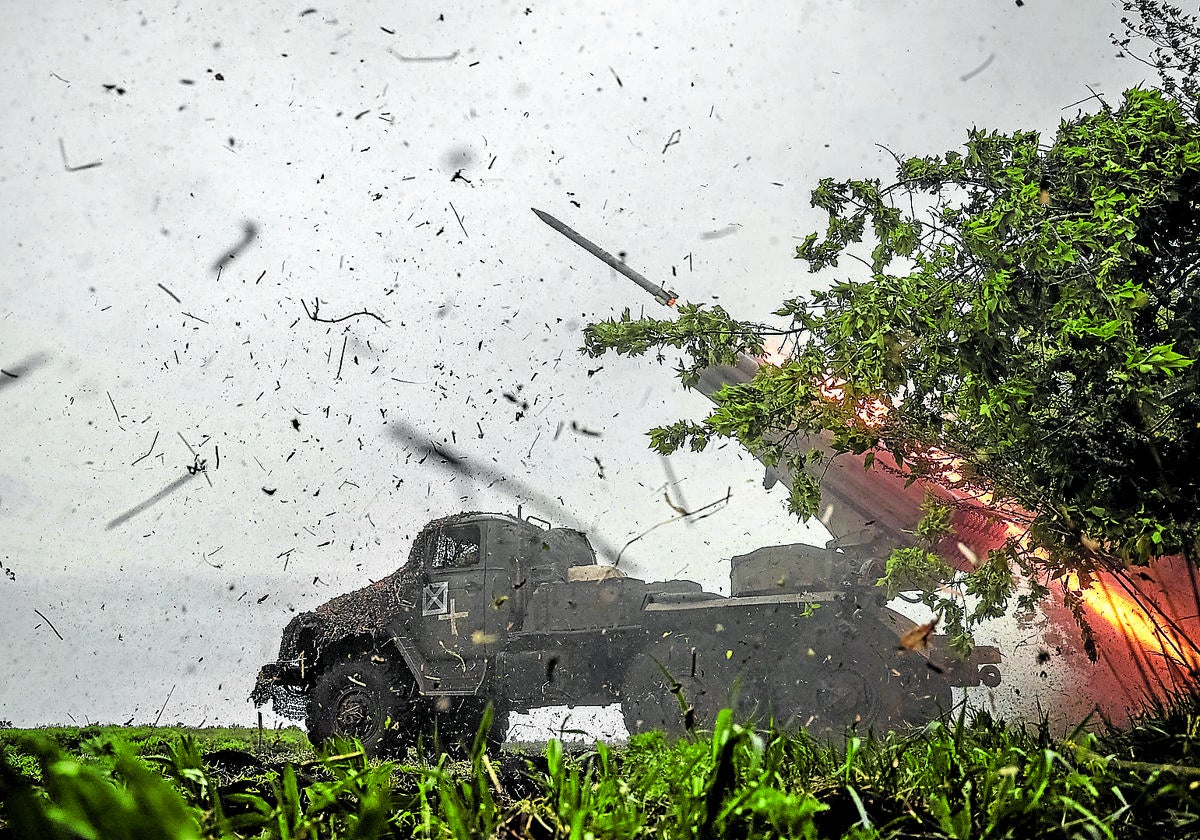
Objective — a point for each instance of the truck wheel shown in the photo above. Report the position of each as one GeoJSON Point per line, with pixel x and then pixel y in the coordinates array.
{"type": "Point", "coordinates": [454, 722]}
{"type": "Point", "coordinates": [825, 700]}
{"type": "Point", "coordinates": [847, 697]}
{"type": "Point", "coordinates": [498, 734]}
{"type": "Point", "coordinates": [364, 699]}
{"type": "Point", "coordinates": [648, 702]}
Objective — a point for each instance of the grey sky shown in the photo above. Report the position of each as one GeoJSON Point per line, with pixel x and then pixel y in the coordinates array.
{"type": "Point", "coordinates": [326, 133]}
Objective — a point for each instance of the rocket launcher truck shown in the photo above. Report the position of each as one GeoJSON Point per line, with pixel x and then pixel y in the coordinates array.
{"type": "Point", "coordinates": [510, 611]}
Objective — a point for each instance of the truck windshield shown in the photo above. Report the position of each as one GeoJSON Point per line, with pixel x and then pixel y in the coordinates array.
{"type": "Point", "coordinates": [455, 546]}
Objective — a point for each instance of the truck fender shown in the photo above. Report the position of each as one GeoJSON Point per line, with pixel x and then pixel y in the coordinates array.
{"type": "Point", "coordinates": [435, 679]}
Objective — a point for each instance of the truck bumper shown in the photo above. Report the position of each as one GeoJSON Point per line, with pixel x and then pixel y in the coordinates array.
{"type": "Point", "coordinates": [287, 699]}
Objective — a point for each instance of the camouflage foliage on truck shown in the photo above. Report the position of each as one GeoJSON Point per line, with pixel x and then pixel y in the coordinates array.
{"type": "Point", "coordinates": [360, 619]}
{"type": "Point", "coordinates": [356, 616]}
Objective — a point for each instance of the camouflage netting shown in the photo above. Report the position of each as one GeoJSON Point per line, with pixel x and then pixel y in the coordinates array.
{"type": "Point", "coordinates": [286, 701]}
{"type": "Point", "coordinates": [360, 613]}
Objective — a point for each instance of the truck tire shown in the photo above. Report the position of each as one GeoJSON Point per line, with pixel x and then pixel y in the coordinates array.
{"type": "Point", "coordinates": [825, 698]}
{"type": "Point", "coordinates": [649, 701]}
{"type": "Point", "coordinates": [917, 696]}
{"type": "Point", "coordinates": [846, 697]}
{"type": "Point", "coordinates": [361, 697]}
{"type": "Point", "coordinates": [453, 723]}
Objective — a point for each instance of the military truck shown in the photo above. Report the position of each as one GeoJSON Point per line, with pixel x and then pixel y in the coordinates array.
{"type": "Point", "coordinates": [508, 609]}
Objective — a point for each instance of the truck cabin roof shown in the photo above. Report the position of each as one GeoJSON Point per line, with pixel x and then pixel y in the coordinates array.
{"type": "Point", "coordinates": [567, 545]}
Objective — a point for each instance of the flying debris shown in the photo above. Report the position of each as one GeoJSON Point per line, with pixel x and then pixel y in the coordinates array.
{"type": "Point", "coordinates": [485, 476]}
{"type": "Point", "coordinates": [919, 637]}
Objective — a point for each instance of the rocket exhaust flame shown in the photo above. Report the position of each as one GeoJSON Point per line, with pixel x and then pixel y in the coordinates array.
{"type": "Point", "coordinates": [1163, 656]}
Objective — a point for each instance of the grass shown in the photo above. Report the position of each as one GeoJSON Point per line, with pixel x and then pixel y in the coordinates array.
{"type": "Point", "coordinates": [957, 778]}
{"type": "Point", "coordinates": [284, 743]}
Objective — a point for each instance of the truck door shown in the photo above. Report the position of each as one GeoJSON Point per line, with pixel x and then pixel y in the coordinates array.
{"type": "Point", "coordinates": [502, 613]}
{"type": "Point", "coordinates": [453, 600]}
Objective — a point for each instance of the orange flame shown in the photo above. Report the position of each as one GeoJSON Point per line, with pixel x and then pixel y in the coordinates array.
{"type": "Point", "coordinates": [1104, 599]}
{"type": "Point", "coordinates": [1131, 620]}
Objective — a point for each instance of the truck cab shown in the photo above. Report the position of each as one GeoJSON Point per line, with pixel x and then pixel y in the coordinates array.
{"type": "Point", "coordinates": [488, 606]}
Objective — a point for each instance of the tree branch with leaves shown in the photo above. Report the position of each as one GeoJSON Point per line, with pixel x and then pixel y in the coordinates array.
{"type": "Point", "coordinates": [1031, 308]}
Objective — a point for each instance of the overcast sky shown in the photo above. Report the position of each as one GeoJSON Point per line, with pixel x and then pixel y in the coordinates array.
{"type": "Point", "coordinates": [383, 157]}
